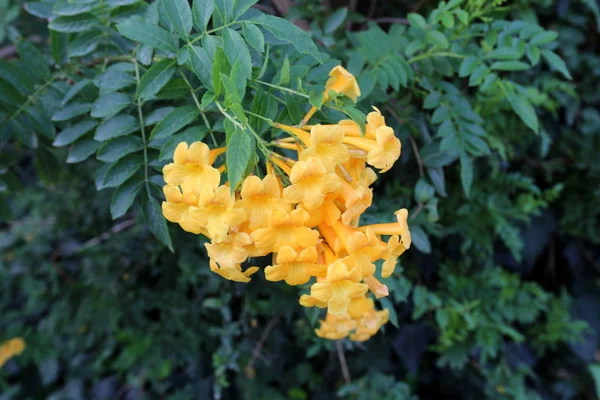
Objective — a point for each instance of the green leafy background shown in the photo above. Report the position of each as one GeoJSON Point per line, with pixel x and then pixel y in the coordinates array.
{"type": "Point", "coordinates": [497, 107]}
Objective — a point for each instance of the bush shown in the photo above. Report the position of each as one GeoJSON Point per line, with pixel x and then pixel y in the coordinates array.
{"type": "Point", "coordinates": [495, 104]}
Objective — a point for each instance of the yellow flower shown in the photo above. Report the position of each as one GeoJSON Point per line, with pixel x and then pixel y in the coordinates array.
{"type": "Point", "coordinates": [216, 210]}
{"type": "Point", "coordinates": [356, 201]}
{"type": "Point", "coordinates": [335, 327]}
{"type": "Point", "coordinates": [337, 289]}
{"type": "Point", "coordinates": [394, 228]}
{"type": "Point", "coordinates": [226, 257]}
{"type": "Point", "coordinates": [383, 151]}
{"type": "Point", "coordinates": [11, 348]}
{"type": "Point", "coordinates": [326, 144]}
{"type": "Point", "coordinates": [342, 82]}
{"type": "Point", "coordinates": [368, 319]}
{"type": "Point", "coordinates": [191, 168]}
{"type": "Point", "coordinates": [310, 183]}
{"type": "Point", "coordinates": [328, 212]}
{"type": "Point", "coordinates": [178, 209]}
{"type": "Point", "coordinates": [374, 121]}
{"type": "Point", "coordinates": [285, 229]}
{"type": "Point", "coordinates": [259, 197]}
{"type": "Point", "coordinates": [379, 289]}
{"type": "Point", "coordinates": [364, 248]}
{"type": "Point", "coordinates": [296, 268]}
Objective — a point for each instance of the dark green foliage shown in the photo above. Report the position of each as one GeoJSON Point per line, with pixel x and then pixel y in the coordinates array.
{"type": "Point", "coordinates": [497, 107]}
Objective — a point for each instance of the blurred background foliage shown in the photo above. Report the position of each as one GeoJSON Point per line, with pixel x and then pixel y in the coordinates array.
{"type": "Point", "coordinates": [498, 298]}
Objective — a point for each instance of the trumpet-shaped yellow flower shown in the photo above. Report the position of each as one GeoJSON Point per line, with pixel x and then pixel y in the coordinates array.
{"type": "Point", "coordinates": [338, 288]}
{"type": "Point", "coordinates": [364, 248]}
{"type": "Point", "coordinates": [11, 348]}
{"type": "Point", "coordinates": [335, 327]}
{"type": "Point", "coordinates": [368, 319]}
{"type": "Point", "coordinates": [285, 229]}
{"type": "Point", "coordinates": [326, 144]}
{"type": "Point", "coordinates": [295, 267]}
{"type": "Point", "coordinates": [310, 183]}
{"type": "Point", "coordinates": [191, 168]}
{"type": "Point", "coordinates": [387, 151]}
{"type": "Point", "coordinates": [342, 82]}
{"type": "Point", "coordinates": [216, 210]}
{"type": "Point", "coordinates": [178, 208]}
{"type": "Point", "coordinates": [377, 288]}
{"type": "Point", "coordinates": [259, 197]}
{"type": "Point", "coordinates": [227, 256]}
{"type": "Point", "coordinates": [356, 201]}
{"type": "Point", "coordinates": [328, 212]}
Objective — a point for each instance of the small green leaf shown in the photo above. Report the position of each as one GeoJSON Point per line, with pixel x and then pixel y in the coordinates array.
{"type": "Point", "coordinates": [315, 98]}
{"type": "Point", "coordinates": [121, 170]}
{"type": "Point", "coordinates": [173, 122]}
{"type": "Point", "coordinates": [595, 372]}
{"type": "Point", "coordinates": [84, 43]}
{"type": "Point", "coordinates": [202, 10]}
{"type": "Point", "coordinates": [64, 7]}
{"type": "Point", "coordinates": [146, 33]}
{"type": "Point", "coordinates": [72, 133]}
{"type": "Point", "coordinates": [157, 115]}
{"type": "Point", "coordinates": [120, 125]}
{"type": "Point", "coordinates": [438, 39]}
{"type": "Point", "coordinates": [254, 36]}
{"type": "Point", "coordinates": [417, 21]}
{"type": "Point", "coordinates": [420, 239]}
{"type": "Point", "coordinates": [156, 222]}
{"type": "Point", "coordinates": [110, 105]}
{"type": "Point", "coordinates": [284, 72]}
{"type": "Point", "coordinates": [239, 150]}
{"type": "Point", "coordinates": [335, 20]}
{"type": "Point", "coordinates": [357, 116]}
{"type": "Point", "coordinates": [236, 49]}
{"type": "Point", "coordinates": [75, 23]}
{"type": "Point", "coordinates": [466, 173]}
{"type": "Point", "coordinates": [117, 148]}
{"type": "Point", "coordinates": [71, 111]}
{"type": "Point", "coordinates": [74, 90]}
{"type": "Point", "coordinates": [179, 14]}
{"type": "Point", "coordinates": [46, 165]}
{"type": "Point", "coordinates": [542, 38]}
{"type": "Point", "coordinates": [155, 78]}
{"type": "Point", "coordinates": [290, 33]}
{"type": "Point", "coordinates": [557, 63]}
{"type": "Point", "coordinates": [124, 197]}
{"type": "Point", "coordinates": [202, 66]}
{"type": "Point", "coordinates": [510, 66]}
{"type": "Point", "coordinates": [525, 110]}
{"type": "Point", "coordinates": [36, 63]}
{"type": "Point", "coordinates": [39, 9]}
{"type": "Point", "coordinates": [467, 66]}
{"type": "Point", "coordinates": [82, 150]}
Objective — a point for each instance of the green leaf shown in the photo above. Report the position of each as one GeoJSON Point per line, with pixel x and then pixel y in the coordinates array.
{"type": "Point", "coordinates": [155, 78]}
{"type": "Point", "coordinates": [173, 122]}
{"type": "Point", "coordinates": [432, 101]}
{"type": "Point", "coordinates": [190, 135]}
{"type": "Point", "coordinates": [64, 7]}
{"type": "Point", "coordinates": [58, 46]}
{"type": "Point", "coordinates": [438, 39]}
{"type": "Point", "coordinates": [420, 239]}
{"type": "Point", "coordinates": [315, 98]}
{"type": "Point", "coordinates": [39, 9]}
{"type": "Point", "coordinates": [467, 66]}
{"type": "Point", "coordinates": [113, 80]}
{"type": "Point", "coordinates": [202, 66]}
{"type": "Point", "coordinates": [146, 33]}
{"type": "Point", "coordinates": [40, 121]}
{"type": "Point", "coordinates": [120, 171]}
{"type": "Point", "coordinates": [505, 53]}
{"type": "Point", "coordinates": [542, 38]}
{"type": "Point", "coordinates": [157, 115]}
{"type": "Point", "coordinates": [71, 111]}
{"type": "Point", "coordinates": [595, 372]}
{"type": "Point", "coordinates": [110, 105]}
{"type": "Point", "coordinates": [254, 36]}
{"type": "Point", "coordinates": [179, 14]}
{"type": "Point", "coordinates": [466, 173]}
{"type": "Point", "coordinates": [156, 222]}
{"type": "Point", "coordinates": [82, 150]}
{"type": "Point", "coordinates": [290, 33]}
{"type": "Point", "coordinates": [241, 6]}
{"type": "Point", "coordinates": [75, 23]}
{"type": "Point", "coordinates": [224, 11]}
{"type": "Point", "coordinates": [236, 49]}
{"type": "Point", "coordinates": [387, 304]}
{"type": "Point", "coordinates": [36, 63]}
{"type": "Point", "coordinates": [46, 165]}
{"type": "Point", "coordinates": [16, 77]}
{"type": "Point", "coordinates": [357, 116]}
{"type": "Point", "coordinates": [116, 149]}
{"type": "Point", "coordinates": [417, 21]}
{"type": "Point", "coordinates": [74, 132]}
{"type": "Point", "coordinates": [335, 20]}
{"type": "Point", "coordinates": [525, 110]}
{"type": "Point", "coordinates": [124, 197]}
{"type": "Point", "coordinates": [120, 125]}
{"type": "Point", "coordinates": [84, 43]}
{"type": "Point", "coordinates": [239, 150]}
{"type": "Point", "coordinates": [510, 66]}
{"type": "Point", "coordinates": [74, 90]}
{"type": "Point", "coordinates": [220, 66]}
{"type": "Point", "coordinates": [556, 62]}
{"type": "Point", "coordinates": [202, 10]}
{"type": "Point", "coordinates": [284, 72]}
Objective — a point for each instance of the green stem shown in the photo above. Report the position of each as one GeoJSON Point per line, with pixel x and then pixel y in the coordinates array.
{"type": "Point", "coordinates": [30, 99]}
{"type": "Point", "coordinates": [212, 31]}
{"type": "Point", "coordinates": [282, 88]}
{"type": "Point", "coordinates": [430, 55]}
{"type": "Point", "coordinates": [143, 129]}
{"type": "Point", "coordinates": [210, 131]}
{"type": "Point", "coordinates": [268, 120]}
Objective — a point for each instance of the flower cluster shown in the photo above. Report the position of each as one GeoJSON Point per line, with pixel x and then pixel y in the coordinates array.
{"type": "Point", "coordinates": [305, 212]}
{"type": "Point", "coordinates": [10, 349]}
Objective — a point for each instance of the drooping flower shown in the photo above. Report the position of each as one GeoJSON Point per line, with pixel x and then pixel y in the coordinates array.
{"type": "Point", "coordinates": [335, 327]}
{"type": "Point", "coordinates": [382, 152]}
{"type": "Point", "coordinates": [310, 183]}
{"type": "Point", "coordinates": [342, 82]}
{"type": "Point", "coordinates": [368, 319]}
{"type": "Point", "coordinates": [285, 229]}
{"type": "Point", "coordinates": [326, 144]}
{"type": "Point", "coordinates": [178, 208]}
{"type": "Point", "coordinates": [364, 248]}
{"type": "Point", "coordinates": [295, 267]}
{"type": "Point", "coordinates": [259, 197]}
{"type": "Point", "coordinates": [336, 290]}
{"type": "Point", "coordinates": [192, 168]}
{"type": "Point", "coordinates": [227, 256]}
{"type": "Point", "coordinates": [216, 209]}
{"type": "Point", "coordinates": [376, 287]}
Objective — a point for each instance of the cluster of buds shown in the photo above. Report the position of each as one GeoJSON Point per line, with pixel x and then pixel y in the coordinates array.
{"type": "Point", "coordinates": [305, 212]}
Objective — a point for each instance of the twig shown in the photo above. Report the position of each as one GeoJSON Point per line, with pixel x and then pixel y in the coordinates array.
{"type": "Point", "coordinates": [417, 211]}
{"type": "Point", "coordinates": [413, 143]}
{"type": "Point", "coordinates": [343, 364]}
{"type": "Point", "coordinates": [388, 20]}
{"type": "Point", "coordinates": [106, 235]}
{"type": "Point", "coordinates": [263, 338]}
